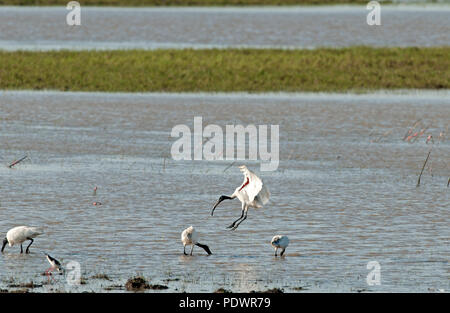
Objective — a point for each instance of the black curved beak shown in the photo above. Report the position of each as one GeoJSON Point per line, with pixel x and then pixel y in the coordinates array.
{"type": "Point", "coordinates": [218, 202]}
{"type": "Point", "coordinates": [5, 241]}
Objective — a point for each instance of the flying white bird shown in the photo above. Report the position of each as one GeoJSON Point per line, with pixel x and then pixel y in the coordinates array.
{"type": "Point", "coordinates": [189, 237]}
{"type": "Point", "coordinates": [19, 234]}
{"type": "Point", "coordinates": [252, 194]}
{"type": "Point", "coordinates": [280, 242]}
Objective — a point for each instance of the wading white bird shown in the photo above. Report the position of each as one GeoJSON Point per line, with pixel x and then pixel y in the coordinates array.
{"type": "Point", "coordinates": [19, 234]}
{"type": "Point", "coordinates": [189, 237]}
{"type": "Point", "coordinates": [280, 242]}
{"type": "Point", "coordinates": [252, 194]}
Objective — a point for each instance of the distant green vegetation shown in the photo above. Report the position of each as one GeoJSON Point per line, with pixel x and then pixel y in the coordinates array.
{"type": "Point", "coordinates": [184, 2]}
{"type": "Point", "coordinates": [253, 70]}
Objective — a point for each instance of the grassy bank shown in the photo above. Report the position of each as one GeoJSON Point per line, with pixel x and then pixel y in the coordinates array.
{"type": "Point", "coordinates": [184, 2]}
{"type": "Point", "coordinates": [357, 68]}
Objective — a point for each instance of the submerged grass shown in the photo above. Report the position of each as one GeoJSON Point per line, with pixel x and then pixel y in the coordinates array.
{"type": "Point", "coordinates": [185, 2]}
{"type": "Point", "coordinates": [215, 70]}
{"type": "Point", "coordinates": [139, 283]}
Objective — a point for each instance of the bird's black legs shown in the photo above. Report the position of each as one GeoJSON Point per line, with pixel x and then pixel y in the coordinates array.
{"type": "Point", "coordinates": [237, 222]}
{"type": "Point", "coordinates": [192, 249]}
{"type": "Point", "coordinates": [282, 252]}
{"type": "Point", "coordinates": [28, 248]}
{"type": "Point", "coordinates": [184, 250]}
{"type": "Point", "coordinates": [234, 223]}
{"type": "Point", "coordinates": [237, 225]}
{"type": "Point", "coordinates": [243, 219]}
{"type": "Point", "coordinates": [21, 249]}
{"type": "Point", "coordinates": [276, 249]}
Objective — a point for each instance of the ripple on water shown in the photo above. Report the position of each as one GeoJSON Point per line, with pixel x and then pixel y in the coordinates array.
{"type": "Point", "coordinates": [340, 213]}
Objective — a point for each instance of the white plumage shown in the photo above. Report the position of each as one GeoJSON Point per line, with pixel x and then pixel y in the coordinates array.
{"type": "Point", "coordinates": [252, 193]}
{"type": "Point", "coordinates": [189, 237]}
{"type": "Point", "coordinates": [19, 234]}
{"type": "Point", "coordinates": [280, 242]}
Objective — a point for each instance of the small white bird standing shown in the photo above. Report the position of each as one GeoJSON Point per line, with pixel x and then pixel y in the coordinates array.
{"type": "Point", "coordinates": [252, 194]}
{"type": "Point", "coordinates": [280, 242]}
{"type": "Point", "coordinates": [189, 237]}
{"type": "Point", "coordinates": [19, 234]}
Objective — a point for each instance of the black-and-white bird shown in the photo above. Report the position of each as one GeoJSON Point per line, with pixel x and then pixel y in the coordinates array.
{"type": "Point", "coordinates": [189, 237]}
{"type": "Point", "coordinates": [280, 242]}
{"type": "Point", "coordinates": [54, 264]}
{"type": "Point", "coordinates": [19, 234]}
{"type": "Point", "coordinates": [252, 194]}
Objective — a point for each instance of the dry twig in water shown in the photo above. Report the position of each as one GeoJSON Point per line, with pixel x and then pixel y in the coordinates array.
{"type": "Point", "coordinates": [423, 167]}
{"type": "Point", "coordinates": [17, 162]}
{"type": "Point", "coordinates": [229, 166]}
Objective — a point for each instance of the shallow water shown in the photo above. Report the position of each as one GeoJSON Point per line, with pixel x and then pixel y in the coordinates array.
{"type": "Point", "coordinates": [345, 191]}
{"type": "Point", "coordinates": [31, 28]}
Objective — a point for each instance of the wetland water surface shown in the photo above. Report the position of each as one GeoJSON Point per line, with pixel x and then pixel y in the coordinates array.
{"type": "Point", "coordinates": [31, 28]}
{"type": "Point", "coordinates": [345, 191]}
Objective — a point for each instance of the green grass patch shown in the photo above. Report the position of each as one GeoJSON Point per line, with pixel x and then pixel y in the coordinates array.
{"type": "Point", "coordinates": [253, 70]}
{"type": "Point", "coordinates": [185, 2]}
